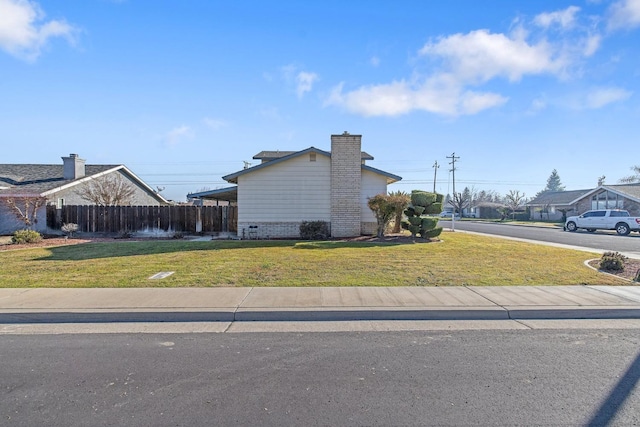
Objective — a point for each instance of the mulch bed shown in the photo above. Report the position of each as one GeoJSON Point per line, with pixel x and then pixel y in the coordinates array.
{"type": "Point", "coordinates": [631, 267]}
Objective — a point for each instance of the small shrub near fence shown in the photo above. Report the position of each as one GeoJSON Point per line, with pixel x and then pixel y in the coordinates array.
{"type": "Point", "coordinates": [26, 236]}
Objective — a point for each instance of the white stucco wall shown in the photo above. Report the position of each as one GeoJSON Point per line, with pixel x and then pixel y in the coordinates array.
{"type": "Point", "coordinates": [293, 190]}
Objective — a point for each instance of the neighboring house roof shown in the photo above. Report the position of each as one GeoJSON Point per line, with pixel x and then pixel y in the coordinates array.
{"type": "Point", "coordinates": [630, 191]}
{"type": "Point", "coordinates": [267, 156]}
{"type": "Point", "coordinates": [558, 198]}
{"type": "Point", "coordinates": [233, 178]}
{"type": "Point", "coordinates": [229, 194]}
{"type": "Point", "coordinates": [568, 198]}
{"type": "Point", "coordinates": [44, 180]}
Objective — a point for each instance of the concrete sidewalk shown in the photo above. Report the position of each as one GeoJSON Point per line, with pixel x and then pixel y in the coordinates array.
{"type": "Point", "coordinates": [318, 304]}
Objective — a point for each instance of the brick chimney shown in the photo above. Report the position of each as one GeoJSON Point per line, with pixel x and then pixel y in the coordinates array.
{"type": "Point", "coordinates": [73, 167]}
{"type": "Point", "coordinates": [346, 177]}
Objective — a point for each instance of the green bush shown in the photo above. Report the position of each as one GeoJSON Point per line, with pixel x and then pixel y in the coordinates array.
{"type": "Point", "coordinates": [612, 261]}
{"type": "Point", "coordinates": [26, 236]}
{"type": "Point", "coordinates": [423, 202]}
{"type": "Point", "coordinates": [314, 230]}
{"type": "Point", "coordinates": [431, 234]}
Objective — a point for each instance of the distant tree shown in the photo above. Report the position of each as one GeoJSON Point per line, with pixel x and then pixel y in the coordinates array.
{"type": "Point", "coordinates": [490, 196]}
{"type": "Point", "coordinates": [514, 200]}
{"type": "Point", "coordinates": [25, 208]}
{"type": "Point", "coordinates": [461, 201]}
{"type": "Point", "coordinates": [631, 179]}
{"type": "Point", "coordinates": [400, 200]}
{"type": "Point", "coordinates": [108, 190]}
{"type": "Point", "coordinates": [601, 180]}
{"type": "Point", "coordinates": [553, 182]}
{"type": "Point", "coordinates": [383, 210]}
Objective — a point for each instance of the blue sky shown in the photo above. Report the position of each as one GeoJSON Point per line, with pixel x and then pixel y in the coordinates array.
{"type": "Point", "coordinates": [182, 92]}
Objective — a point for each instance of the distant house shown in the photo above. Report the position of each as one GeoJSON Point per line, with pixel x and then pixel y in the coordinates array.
{"type": "Point", "coordinates": [60, 185]}
{"type": "Point", "coordinates": [552, 204]}
{"type": "Point", "coordinates": [289, 187]}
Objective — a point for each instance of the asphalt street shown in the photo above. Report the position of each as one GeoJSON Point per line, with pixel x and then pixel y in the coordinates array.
{"type": "Point", "coordinates": [523, 377]}
{"type": "Point", "coordinates": [599, 240]}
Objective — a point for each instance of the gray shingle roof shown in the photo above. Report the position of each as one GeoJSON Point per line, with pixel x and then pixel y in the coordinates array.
{"type": "Point", "coordinates": [272, 155]}
{"type": "Point", "coordinates": [233, 178]}
{"type": "Point", "coordinates": [37, 179]}
{"type": "Point", "coordinates": [558, 197]}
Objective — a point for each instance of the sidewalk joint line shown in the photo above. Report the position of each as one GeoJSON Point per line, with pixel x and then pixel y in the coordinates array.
{"type": "Point", "coordinates": [235, 311]}
{"type": "Point", "coordinates": [491, 301]}
{"type": "Point", "coordinates": [610, 293]}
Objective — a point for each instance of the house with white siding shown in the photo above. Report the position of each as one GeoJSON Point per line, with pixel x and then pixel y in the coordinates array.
{"type": "Point", "coordinates": [290, 187]}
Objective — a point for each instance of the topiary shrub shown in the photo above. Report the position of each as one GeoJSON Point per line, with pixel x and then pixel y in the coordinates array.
{"type": "Point", "coordinates": [26, 236]}
{"type": "Point", "coordinates": [612, 261]}
{"type": "Point", "coordinates": [423, 203]}
{"type": "Point", "coordinates": [314, 230]}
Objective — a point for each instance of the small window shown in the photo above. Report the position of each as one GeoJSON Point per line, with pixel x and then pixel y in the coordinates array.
{"type": "Point", "coordinates": [599, 213]}
{"type": "Point", "coordinates": [60, 203]}
{"type": "Point", "coordinates": [312, 157]}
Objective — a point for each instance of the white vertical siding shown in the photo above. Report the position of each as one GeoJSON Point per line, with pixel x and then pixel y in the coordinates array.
{"type": "Point", "coordinates": [372, 184]}
{"type": "Point", "coordinates": [293, 190]}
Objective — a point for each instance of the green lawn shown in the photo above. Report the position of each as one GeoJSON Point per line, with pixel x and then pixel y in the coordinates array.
{"type": "Point", "coordinates": [459, 259]}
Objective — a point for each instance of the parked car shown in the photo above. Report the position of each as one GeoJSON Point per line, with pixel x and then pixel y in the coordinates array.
{"type": "Point", "coordinates": [447, 214]}
{"type": "Point", "coordinates": [604, 219]}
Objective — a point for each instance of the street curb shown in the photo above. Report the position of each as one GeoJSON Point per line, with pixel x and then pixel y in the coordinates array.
{"type": "Point", "coordinates": [318, 314]}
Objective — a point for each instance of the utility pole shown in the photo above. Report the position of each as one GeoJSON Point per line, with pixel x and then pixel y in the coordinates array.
{"type": "Point", "coordinates": [453, 171]}
{"type": "Point", "coordinates": [435, 172]}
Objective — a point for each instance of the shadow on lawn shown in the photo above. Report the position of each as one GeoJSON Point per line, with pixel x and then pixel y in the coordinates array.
{"type": "Point", "coordinates": [86, 251]}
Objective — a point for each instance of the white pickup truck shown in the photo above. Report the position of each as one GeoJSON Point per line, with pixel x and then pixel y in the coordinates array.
{"type": "Point", "coordinates": [604, 219]}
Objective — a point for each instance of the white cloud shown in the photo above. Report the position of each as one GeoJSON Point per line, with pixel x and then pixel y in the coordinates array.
{"type": "Point", "coordinates": [23, 31]}
{"type": "Point", "coordinates": [480, 56]}
{"type": "Point", "coordinates": [176, 135]}
{"type": "Point", "coordinates": [564, 18]}
{"type": "Point", "coordinates": [374, 61]}
{"type": "Point", "coordinates": [437, 95]}
{"type": "Point", "coordinates": [591, 44]}
{"type": "Point", "coordinates": [603, 96]}
{"type": "Point", "coordinates": [537, 105]}
{"type": "Point", "coordinates": [624, 14]}
{"type": "Point", "coordinates": [304, 81]}
{"type": "Point", "coordinates": [470, 59]}
{"type": "Point", "coordinates": [214, 124]}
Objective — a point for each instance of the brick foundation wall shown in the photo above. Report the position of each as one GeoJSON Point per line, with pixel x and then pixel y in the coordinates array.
{"type": "Point", "coordinates": [346, 183]}
{"type": "Point", "coordinates": [369, 228]}
{"type": "Point", "coordinates": [269, 230]}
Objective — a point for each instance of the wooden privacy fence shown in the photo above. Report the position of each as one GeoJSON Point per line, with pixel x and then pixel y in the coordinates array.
{"type": "Point", "coordinates": [120, 219]}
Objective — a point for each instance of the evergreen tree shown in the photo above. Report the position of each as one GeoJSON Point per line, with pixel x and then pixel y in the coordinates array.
{"type": "Point", "coordinates": [553, 182]}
